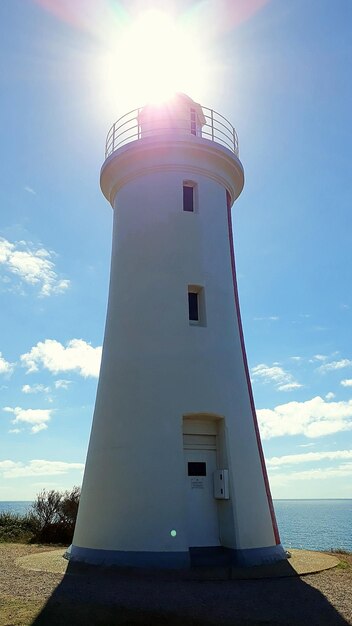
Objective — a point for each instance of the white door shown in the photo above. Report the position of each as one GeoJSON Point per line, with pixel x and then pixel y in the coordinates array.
{"type": "Point", "coordinates": [203, 524]}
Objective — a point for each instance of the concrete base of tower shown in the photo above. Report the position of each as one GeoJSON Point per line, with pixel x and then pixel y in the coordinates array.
{"type": "Point", "coordinates": [259, 556]}
{"type": "Point", "coordinates": [121, 558]}
{"type": "Point", "coordinates": [217, 556]}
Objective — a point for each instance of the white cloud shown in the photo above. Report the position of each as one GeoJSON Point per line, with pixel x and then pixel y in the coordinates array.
{"type": "Point", "coordinates": [62, 384]}
{"type": "Point", "coordinates": [35, 389]}
{"type": "Point", "coordinates": [36, 418]}
{"type": "Point", "coordinates": [78, 355]}
{"type": "Point", "coordinates": [347, 382]}
{"type": "Point", "coordinates": [320, 357]}
{"type": "Point", "coordinates": [313, 418]}
{"type": "Point", "coordinates": [12, 469]}
{"type": "Point", "coordinates": [32, 266]}
{"type": "Point", "coordinates": [38, 427]}
{"type": "Point", "coordinates": [6, 465]}
{"type": "Point", "coordinates": [275, 374]}
{"type": "Point", "coordinates": [270, 318]}
{"type": "Point", "coordinates": [289, 386]}
{"type": "Point", "coordinates": [5, 366]}
{"type": "Point", "coordinates": [334, 365]}
{"type": "Point", "coordinates": [308, 457]}
{"type": "Point", "coordinates": [30, 190]}
{"type": "Point", "coordinates": [330, 395]}
{"type": "Point", "coordinates": [341, 471]}
{"type": "Point", "coordinates": [296, 358]}
{"type": "Point", "coordinates": [269, 374]}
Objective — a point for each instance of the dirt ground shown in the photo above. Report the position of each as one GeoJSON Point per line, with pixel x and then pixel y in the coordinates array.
{"type": "Point", "coordinates": [92, 596]}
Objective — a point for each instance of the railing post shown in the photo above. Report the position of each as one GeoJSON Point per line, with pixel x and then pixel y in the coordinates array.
{"type": "Point", "coordinates": [113, 136]}
{"type": "Point", "coordinates": [212, 124]}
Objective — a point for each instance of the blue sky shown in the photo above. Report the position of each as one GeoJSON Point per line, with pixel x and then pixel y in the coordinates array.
{"type": "Point", "coordinates": [280, 72]}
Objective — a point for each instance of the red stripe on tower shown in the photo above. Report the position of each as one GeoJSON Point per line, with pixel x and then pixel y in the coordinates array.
{"type": "Point", "coordinates": [245, 362]}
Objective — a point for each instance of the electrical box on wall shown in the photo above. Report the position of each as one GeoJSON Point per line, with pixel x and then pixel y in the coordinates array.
{"type": "Point", "coordinates": [221, 484]}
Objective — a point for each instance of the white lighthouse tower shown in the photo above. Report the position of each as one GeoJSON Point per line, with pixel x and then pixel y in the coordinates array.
{"type": "Point", "coordinates": [175, 474]}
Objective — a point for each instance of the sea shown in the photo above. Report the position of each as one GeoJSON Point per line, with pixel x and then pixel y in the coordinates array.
{"type": "Point", "coordinates": [306, 524]}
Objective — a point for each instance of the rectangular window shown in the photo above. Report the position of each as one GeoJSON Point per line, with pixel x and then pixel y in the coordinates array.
{"type": "Point", "coordinates": [188, 198]}
{"type": "Point", "coordinates": [196, 305]}
{"type": "Point", "coordinates": [193, 306]}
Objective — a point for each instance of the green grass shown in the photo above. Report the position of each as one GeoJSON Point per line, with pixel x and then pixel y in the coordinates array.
{"type": "Point", "coordinates": [343, 564]}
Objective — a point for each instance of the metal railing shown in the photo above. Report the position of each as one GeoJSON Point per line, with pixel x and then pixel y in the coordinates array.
{"type": "Point", "coordinates": [129, 128]}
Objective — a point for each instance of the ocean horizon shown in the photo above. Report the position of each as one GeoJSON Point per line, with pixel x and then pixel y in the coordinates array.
{"type": "Point", "coordinates": [312, 524]}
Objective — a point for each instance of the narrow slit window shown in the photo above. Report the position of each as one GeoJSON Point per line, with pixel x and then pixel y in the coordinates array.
{"type": "Point", "coordinates": [196, 305]}
{"type": "Point", "coordinates": [188, 198]}
{"type": "Point", "coordinates": [193, 306]}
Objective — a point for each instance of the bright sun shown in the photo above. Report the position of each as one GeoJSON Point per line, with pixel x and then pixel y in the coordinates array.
{"type": "Point", "coordinates": [155, 56]}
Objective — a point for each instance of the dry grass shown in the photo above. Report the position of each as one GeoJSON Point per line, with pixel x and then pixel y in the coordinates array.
{"type": "Point", "coordinates": [19, 612]}
{"type": "Point", "coordinates": [24, 613]}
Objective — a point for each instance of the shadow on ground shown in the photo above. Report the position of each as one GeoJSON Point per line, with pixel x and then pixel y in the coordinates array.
{"type": "Point", "coordinates": [96, 596]}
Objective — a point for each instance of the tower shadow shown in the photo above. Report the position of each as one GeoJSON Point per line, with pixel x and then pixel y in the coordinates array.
{"type": "Point", "coordinates": [98, 596]}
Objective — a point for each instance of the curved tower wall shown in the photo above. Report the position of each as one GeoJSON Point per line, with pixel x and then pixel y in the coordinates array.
{"type": "Point", "coordinates": [166, 381]}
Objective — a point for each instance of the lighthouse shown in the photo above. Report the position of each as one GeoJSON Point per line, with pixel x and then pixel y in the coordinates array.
{"type": "Point", "coordinates": [175, 474]}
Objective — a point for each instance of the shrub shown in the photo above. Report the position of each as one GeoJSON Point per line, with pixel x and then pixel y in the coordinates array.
{"type": "Point", "coordinates": [69, 508]}
{"type": "Point", "coordinates": [340, 551]}
{"type": "Point", "coordinates": [51, 519]}
{"type": "Point", "coordinates": [55, 513]}
{"type": "Point", "coordinates": [16, 528]}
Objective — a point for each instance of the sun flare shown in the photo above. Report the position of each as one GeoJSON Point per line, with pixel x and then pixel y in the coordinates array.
{"type": "Point", "coordinates": [153, 57]}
